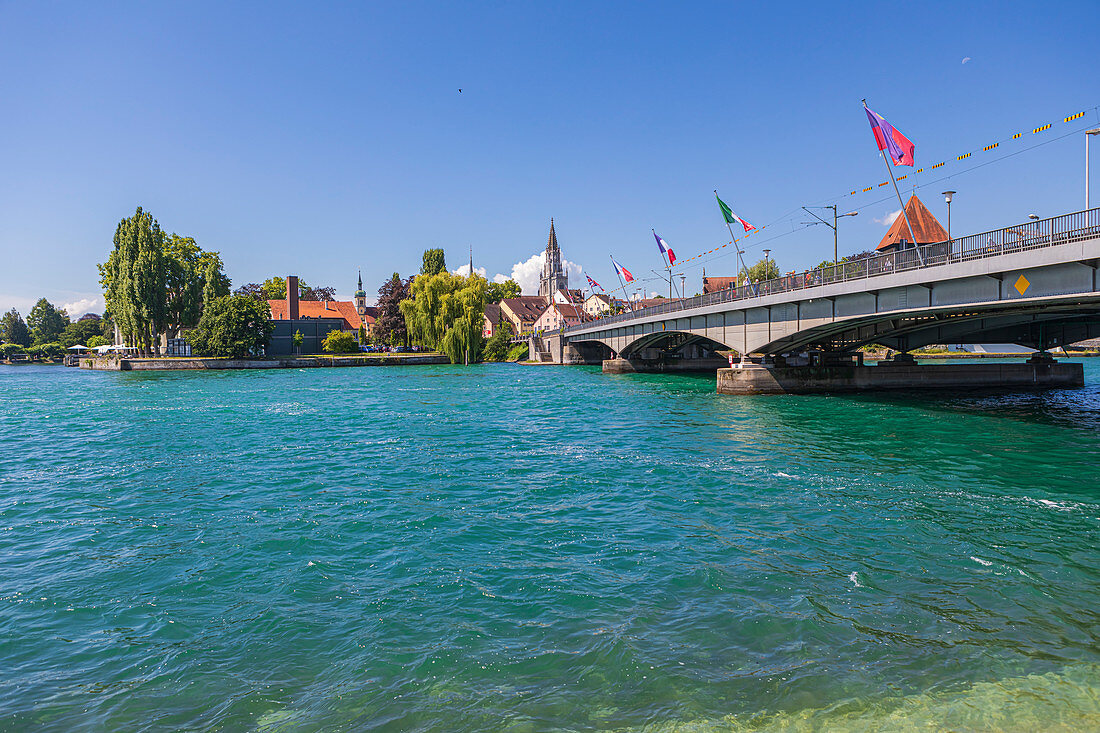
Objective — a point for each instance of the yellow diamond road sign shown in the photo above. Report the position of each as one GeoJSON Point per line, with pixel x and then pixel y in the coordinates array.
{"type": "Point", "coordinates": [1022, 285]}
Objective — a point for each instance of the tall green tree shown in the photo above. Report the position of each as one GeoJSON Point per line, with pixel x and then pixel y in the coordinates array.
{"type": "Point", "coordinates": [80, 332]}
{"type": "Point", "coordinates": [13, 329]}
{"type": "Point", "coordinates": [232, 326]}
{"type": "Point", "coordinates": [307, 292]}
{"type": "Point", "coordinates": [390, 322]}
{"type": "Point", "coordinates": [275, 288]}
{"type": "Point", "coordinates": [253, 290]}
{"type": "Point", "coordinates": [46, 322]}
{"type": "Point", "coordinates": [763, 270]}
{"type": "Point", "coordinates": [433, 262]}
{"type": "Point", "coordinates": [499, 291]}
{"type": "Point", "coordinates": [446, 311]}
{"type": "Point", "coordinates": [188, 272]}
{"type": "Point", "coordinates": [214, 284]}
{"type": "Point", "coordinates": [134, 280]}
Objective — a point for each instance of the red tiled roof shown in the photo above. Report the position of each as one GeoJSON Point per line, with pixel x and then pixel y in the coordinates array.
{"type": "Point", "coordinates": [647, 302]}
{"type": "Point", "coordinates": [926, 229]}
{"type": "Point", "coordinates": [492, 313]}
{"type": "Point", "coordinates": [525, 307]}
{"type": "Point", "coordinates": [711, 284]}
{"type": "Point", "coordinates": [572, 294]}
{"type": "Point", "coordinates": [344, 309]}
{"type": "Point", "coordinates": [569, 311]}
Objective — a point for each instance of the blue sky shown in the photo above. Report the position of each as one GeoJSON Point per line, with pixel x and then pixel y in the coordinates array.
{"type": "Point", "coordinates": [319, 139]}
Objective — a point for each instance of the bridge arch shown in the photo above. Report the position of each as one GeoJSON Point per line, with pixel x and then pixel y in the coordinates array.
{"type": "Point", "coordinates": [672, 342]}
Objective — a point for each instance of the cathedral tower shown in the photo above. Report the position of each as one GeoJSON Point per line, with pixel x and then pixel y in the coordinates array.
{"type": "Point", "coordinates": [554, 277]}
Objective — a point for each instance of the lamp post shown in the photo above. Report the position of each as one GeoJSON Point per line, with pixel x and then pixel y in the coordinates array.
{"type": "Point", "coordinates": [1088, 134]}
{"type": "Point", "coordinates": [683, 280]}
{"type": "Point", "coordinates": [947, 196]}
{"type": "Point", "coordinates": [836, 218]}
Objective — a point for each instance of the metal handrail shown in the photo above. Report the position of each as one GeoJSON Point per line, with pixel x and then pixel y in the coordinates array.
{"type": "Point", "coordinates": [1035, 234]}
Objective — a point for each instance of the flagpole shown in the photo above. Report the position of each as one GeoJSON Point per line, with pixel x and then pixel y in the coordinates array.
{"type": "Point", "coordinates": [668, 264]}
{"type": "Point", "coordinates": [625, 296]}
{"type": "Point", "coordinates": [734, 243]}
{"type": "Point", "coordinates": [909, 226]}
{"type": "Point", "coordinates": [669, 268]}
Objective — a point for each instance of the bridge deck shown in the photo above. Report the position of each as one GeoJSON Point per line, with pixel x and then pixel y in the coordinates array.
{"type": "Point", "coordinates": [994, 283]}
{"type": "Point", "coordinates": [1066, 229]}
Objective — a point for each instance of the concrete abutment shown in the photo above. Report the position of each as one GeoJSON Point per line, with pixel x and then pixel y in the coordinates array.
{"type": "Point", "coordinates": [1042, 374]}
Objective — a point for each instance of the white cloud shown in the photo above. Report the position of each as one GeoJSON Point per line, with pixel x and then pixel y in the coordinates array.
{"type": "Point", "coordinates": [966, 59]}
{"type": "Point", "coordinates": [500, 278]}
{"type": "Point", "coordinates": [888, 218]}
{"type": "Point", "coordinates": [84, 305]}
{"type": "Point", "coordinates": [527, 273]}
{"type": "Point", "coordinates": [464, 270]}
{"type": "Point", "coordinates": [23, 305]}
{"type": "Point", "coordinates": [573, 270]}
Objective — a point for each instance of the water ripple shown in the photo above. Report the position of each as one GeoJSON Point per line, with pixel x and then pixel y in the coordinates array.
{"type": "Point", "coordinates": [509, 548]}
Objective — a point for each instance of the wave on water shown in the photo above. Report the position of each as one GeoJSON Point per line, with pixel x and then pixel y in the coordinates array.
{"type": "Point", "coordinates": [1053, 702]}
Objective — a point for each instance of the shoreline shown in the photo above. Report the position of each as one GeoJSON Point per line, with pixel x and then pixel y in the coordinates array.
{"type": "Point", "coordinates": [125, 364]}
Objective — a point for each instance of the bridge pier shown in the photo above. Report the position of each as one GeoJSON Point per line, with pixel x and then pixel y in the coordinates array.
{"type": "Point", "coordinates": [636, 364]}
{"type": "Point", "coordinates": [1040, 372]}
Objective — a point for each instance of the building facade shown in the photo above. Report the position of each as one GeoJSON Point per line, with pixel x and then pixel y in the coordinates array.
{"type": "Point", "coordinates": [522, 312]}
{"type": "Point", "coordinates": [315, 319]}
{"type": "Point", "coordinates": [557, 315]}
{"type": "Point", "coordinates": [597, 304]}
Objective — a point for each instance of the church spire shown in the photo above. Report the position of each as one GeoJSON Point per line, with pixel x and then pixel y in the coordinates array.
{"type": "Point", "coordinates": [360, 279]}
{"type": "Point", "coordinates": [554, 277]}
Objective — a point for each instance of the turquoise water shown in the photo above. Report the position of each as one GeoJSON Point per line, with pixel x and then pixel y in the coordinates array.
{"type": "Point", "coordinates": [541, 548]}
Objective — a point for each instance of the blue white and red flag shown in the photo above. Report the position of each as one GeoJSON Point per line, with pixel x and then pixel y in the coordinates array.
{"type": "Point", "coordinates": [889, 138]}
{"type": "Point", "coordinates": [623, 272]}
{"type": "Point", "coordinates": [593, 284]}
{"type": "Point", "coordinates": [665, 249]}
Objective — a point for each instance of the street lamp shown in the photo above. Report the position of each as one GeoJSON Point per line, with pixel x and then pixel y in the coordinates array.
{"type": "Point", "coordinates": [833, 225]}
{"type": "Point", "coordinates": [766, 253]}
{"type": "Point", "coordinates": [1088, 134]}
{"type": "Point", "coordinates": [947, 195]}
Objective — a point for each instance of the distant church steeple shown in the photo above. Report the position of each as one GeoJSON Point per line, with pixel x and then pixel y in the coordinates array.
{"type": "Point", "coordinates": [554, 277]}
{"type": "Point", "coordinates": [360, 297]}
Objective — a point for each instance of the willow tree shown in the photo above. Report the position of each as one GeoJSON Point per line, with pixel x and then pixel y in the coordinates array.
{"type": "Point", "coordinates": [134, 280]}
{"type": "Point", "coordinates": [445, 311]}
{"type": "Point", "coordinates": [463, 340]}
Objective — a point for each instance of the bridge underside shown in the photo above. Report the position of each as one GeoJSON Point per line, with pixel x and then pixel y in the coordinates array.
{"type": "Point", "coordinates": [1040, 325]}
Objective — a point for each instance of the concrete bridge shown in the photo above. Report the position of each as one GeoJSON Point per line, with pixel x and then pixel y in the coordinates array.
{"type": "Point", "coordinates": [1034, 284]}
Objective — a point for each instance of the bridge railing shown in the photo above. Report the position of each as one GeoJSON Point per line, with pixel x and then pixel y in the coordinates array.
{"type": "Point", "coordinates": [1035, 234]}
